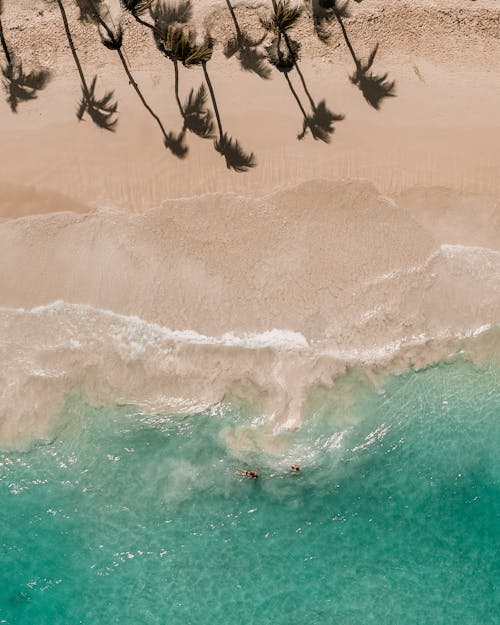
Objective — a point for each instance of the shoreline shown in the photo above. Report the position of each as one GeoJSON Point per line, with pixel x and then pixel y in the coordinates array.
{"type": "Point", "coordinates": [109, 359]}
{"type": "Point", "coordinates": [390, 231]}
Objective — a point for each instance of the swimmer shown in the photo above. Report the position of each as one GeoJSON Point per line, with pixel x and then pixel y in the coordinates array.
{"type": "Point", "coordinates": [295, 468]}
{"type": "Point", "coordinates": [245, 473]}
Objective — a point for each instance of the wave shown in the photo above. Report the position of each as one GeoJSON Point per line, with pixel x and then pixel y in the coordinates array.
{"type": "Point", "coordinates": [52, 351]}
{"type": "Point", "coordinates": [279, 301]}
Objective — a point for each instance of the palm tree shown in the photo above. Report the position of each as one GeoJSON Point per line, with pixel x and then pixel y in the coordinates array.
{"type": "Point", "coordinates": [283, 19]}
{"type": "Point", "coordinates": [20, 85]}
{"type": "Point", "coordinates": [247, 50]}
{"type": "Point", "coordinates": [228, 147]}
{"type": "Point", "coordinates": [113, 40]}
{"type": "Point", "coordinates": [137, 8]}
{"type": "Point", "coordinates": [178, 45]}
{"type": "Point", "coordinates": [100, 110]}
{"type": "Point", "coordinates": [373, 87]}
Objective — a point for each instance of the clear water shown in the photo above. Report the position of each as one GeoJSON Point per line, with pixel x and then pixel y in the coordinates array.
{"type": "Point", "coordinates": [394, 518]}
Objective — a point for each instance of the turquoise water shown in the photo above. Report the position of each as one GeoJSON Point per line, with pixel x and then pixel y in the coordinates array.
{"type": "Point", "coordinates": [394, 518]}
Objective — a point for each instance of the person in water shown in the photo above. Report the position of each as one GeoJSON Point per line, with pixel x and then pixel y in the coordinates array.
{"type": "Point", "coordinates": [245, 473]}
{"type": "Point", "coordinates": [295, 468]}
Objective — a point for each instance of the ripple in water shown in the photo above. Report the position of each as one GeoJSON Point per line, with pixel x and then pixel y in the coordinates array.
{"type": "Point", "coordinates": [393, 518]}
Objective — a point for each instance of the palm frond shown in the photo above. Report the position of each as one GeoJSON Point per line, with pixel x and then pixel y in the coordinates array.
{"type": "Point", "coordinates": [175, 143]}
{"type": "Point", "coordinates": [137, 7]}
{"type": "Point", "coordinates": [165, 14]}
{"type": "Point", "coordinates": [324, 13]}
{"type": "Point", "coordinates": [197, 118]}
{"type": "Point", "coordinates": [113, 41]}
{"type": "Point", "coordinates": [100, 110]}
{"type": "Point", "coordinates": [320, 123]}
{"type": "Point", "coordinates": [374, 88]}
{"type": "Point", "coordinates": [22, 86]}
{"type": "Point", "coordinates": [285, 16]}
{"type": "Point", "coordinates": [88, 9]}
{"type": "Point", "coordinates": [283, 60]}
{"type": "Point", "coordinates": [234, 154]}
{"type": "Point", "coordinates": [201, 53]}
{"type": "Point", "coordinates": [178, 43]}
{"type": "Point", "coordinates": [248, 53]}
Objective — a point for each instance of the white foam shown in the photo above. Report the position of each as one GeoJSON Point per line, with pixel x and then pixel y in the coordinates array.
{"type": "Point", "coordinates": [275, 338]}
{"type": "Point", "coordinates": [49, 351]}
{"type": "Point", "coordinates": [467, 253]}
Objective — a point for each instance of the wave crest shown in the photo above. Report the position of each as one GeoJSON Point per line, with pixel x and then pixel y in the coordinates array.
{"type": "Point", "coordinates": [49, 352]}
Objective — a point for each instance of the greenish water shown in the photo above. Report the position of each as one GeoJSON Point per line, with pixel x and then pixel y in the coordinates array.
{"type": "Point", "coordinates": [393, 519]}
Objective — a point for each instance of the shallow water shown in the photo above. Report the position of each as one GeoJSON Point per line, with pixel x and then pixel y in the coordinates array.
{"type": "Point", "coordinates": [393, 518]}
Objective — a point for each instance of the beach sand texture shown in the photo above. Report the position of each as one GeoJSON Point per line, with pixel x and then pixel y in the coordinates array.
{"type": "Point", "coordinates": [387, 237]}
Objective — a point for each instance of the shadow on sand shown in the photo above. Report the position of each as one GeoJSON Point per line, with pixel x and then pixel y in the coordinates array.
{"type": "Point", "coordinates": [374, 87]}
{"type": "Point", "coordinates": [102, 111]}
{"type": "Point", "coordinates": [177, 40]}
{"type": "Point", "coordinates": [247, 49]}
{"type": "Point", "coordinates": [173, 41]}
{"type": "Point", "coordinates": [21, 86]}
{"type": "Point", "coordinates": [283, 53]}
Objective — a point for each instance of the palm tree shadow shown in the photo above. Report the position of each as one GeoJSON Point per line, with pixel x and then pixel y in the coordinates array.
{"type": "Point", "coordinates": [248, 53]}
{"type": "Point", "coordinates": [198, 119]}
{"type": "Point", "coordinates": [375, 88]}
{"type": "Point", "coordinates": [176, 144]}
{"type": "Point", "coordinates": [283, 60]}
{"type": "Point", "coordinates": [101, 111]}
{"type": "Point", "coordinates": [320, 123]}
{"type": "Point", "coordinates": [23, 86]}
{"type": "Point", "coordinates": [246, 49]}
{"type": "Point", "coordinates": [112, 38]}
{"type": "Point", "coordinates": [236, 158]}
{"type": "Point", "coordinates": [87, 10]}
{"type": "Point", "coordinates": [164, 14]}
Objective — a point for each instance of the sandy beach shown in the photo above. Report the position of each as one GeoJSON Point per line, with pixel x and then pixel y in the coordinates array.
{"type": "Point", "coordinates": [384, 238]}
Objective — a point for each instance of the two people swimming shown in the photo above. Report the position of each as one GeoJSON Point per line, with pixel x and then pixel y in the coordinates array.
{"type": "Point", "coordinates": [245, 473]}
{"type": "Point", "coordinates": [294, 469]}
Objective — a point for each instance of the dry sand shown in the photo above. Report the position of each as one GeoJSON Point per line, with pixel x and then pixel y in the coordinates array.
{"type": "Point", "coordinates": [387, 238]}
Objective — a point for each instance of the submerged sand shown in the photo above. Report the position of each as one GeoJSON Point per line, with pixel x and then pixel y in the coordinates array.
{"type": "Point", "coordinates": [380, 247]}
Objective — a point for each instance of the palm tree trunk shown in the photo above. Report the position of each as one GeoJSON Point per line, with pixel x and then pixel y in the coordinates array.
{"type": "Point", "coordinates": [214, 103]}
{"type": "Point", "coordinates": [297, 99]}
{"type": "Point", "coordinates": [73, 49]}
{"type": "Point", "coordinates": [304, 85]}
{"type": "Point", "coordinates": [280, 55]}
{"type": "Point", "coordinates": [301, 75]}
{"type": "Point", "coordinates": [138, 91]}
{"type": "Point", "coordinates": [127, 70]}
{"type": "Point", "coordinates": [4, 45]}
{"type": "Point", "coordinates": [144, 23]}
{"type": "Point", "coordinates": [236, 25]}
{"type": "Point", "coordinates": [176, 89]}
{"type": "Point", "coordinates": [346, 38]}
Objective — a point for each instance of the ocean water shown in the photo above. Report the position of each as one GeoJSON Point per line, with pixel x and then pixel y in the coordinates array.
{"type": "Point", "coordinates": [394, 517]}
